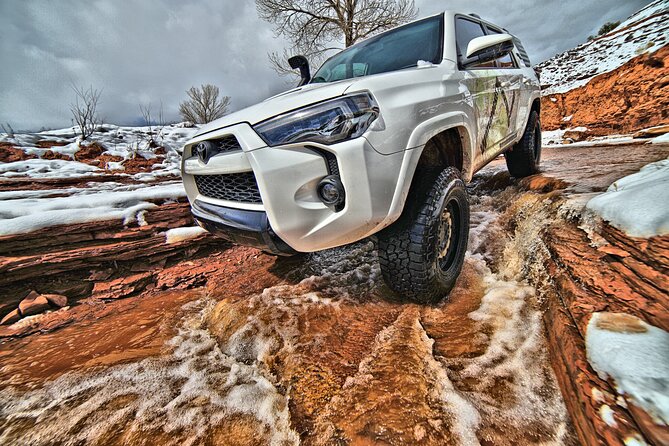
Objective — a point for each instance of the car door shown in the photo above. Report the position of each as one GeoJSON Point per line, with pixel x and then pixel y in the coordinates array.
{"type": "Point", "coordinates": [509, 82]}
{"type": "Point", "coordinates": [482, 88]}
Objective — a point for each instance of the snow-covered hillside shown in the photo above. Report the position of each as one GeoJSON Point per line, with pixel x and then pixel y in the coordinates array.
{"type": "Point", "coordinates": [644, 32]}
{"type": "Point", "coordinates": [57, 153]}
{"type": "Point", "coordinates": [52, 178]}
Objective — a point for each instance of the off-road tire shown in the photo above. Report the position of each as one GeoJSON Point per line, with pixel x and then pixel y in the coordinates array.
{"type": "Point", "coordinates": [411, 250]}
{"type": "Point", "coordinates": [523, 159]}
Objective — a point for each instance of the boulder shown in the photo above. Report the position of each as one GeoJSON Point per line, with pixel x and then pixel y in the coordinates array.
{"type": "Point", "coordinates": [652, 132]}
{"type": "Point", "coordinates": [57, 300]}
{"type": "Point", "coordinates": [11, 317]}
{"type": "Point", "coordinates": [33, 303]}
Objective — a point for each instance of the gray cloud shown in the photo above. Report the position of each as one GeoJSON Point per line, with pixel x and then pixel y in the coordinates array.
{"type": "Point", "coordinates": [146, 51]}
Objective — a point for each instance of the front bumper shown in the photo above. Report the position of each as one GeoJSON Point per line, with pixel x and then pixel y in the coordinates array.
{"type": "Point", "coordinates": [244, 227]}
{"type": "Point", "coordinates": [287, 177]}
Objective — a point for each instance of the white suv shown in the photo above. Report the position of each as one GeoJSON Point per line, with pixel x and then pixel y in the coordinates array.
{"type": "Point", "coordinates": [379, 142]}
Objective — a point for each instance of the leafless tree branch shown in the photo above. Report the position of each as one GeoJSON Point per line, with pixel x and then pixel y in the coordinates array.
{"type": "Point", "coordinates": [7, 128]}
{"type": "Point", "coordinates": [204, 105]}
{"type": "Point", "coordinates": [84, 109]}
{"type": "Point", "coordinates": [311, 26]}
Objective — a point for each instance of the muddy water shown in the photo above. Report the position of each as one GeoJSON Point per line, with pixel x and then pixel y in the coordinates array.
{"type": "Point", "coordinates": [329, 356]}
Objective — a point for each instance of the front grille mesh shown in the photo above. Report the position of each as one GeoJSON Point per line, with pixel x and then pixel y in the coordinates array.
{"type": "Point", "coordinates": [227, 144]}
{"type": "Point", "coordinates": [239, 187]}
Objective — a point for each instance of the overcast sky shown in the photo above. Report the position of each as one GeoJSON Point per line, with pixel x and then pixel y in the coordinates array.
{"type": "Point", "coordinates": [145, 51]}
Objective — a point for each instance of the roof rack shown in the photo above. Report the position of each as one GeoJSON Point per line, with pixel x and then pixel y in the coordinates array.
{"type": "Point", "coordinates": [474, 15]}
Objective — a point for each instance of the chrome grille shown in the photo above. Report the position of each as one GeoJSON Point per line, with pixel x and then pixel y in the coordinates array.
{"type": "Point", "coordinates": [240, 187]}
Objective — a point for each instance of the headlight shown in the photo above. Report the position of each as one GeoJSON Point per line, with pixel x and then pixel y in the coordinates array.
{"type": "Point", "coordinates": [328, 122]}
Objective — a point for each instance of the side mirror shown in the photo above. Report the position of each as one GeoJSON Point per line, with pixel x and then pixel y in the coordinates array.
{"type": "Point", "coordinates": [487, 48]}
{"type": "Point", "coordinates": [301, 63]}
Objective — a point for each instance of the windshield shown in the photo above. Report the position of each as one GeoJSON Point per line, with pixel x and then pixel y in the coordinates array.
{"type": "Point", "coordinates": [399, 48]}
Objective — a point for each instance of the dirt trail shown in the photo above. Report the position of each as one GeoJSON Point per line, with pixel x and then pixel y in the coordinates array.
{"type": "Point", "coordinates": [325, 354]}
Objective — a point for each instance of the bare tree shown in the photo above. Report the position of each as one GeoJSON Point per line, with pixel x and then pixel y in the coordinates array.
{"type": "Point", "coordinates": [155, 123]}
{"type": "Point", "coordinates": [314, 27]}
{"type": "Point", "coordinates": [203, 104]}
{"type": "Point", "coordinates": [7, 128]}
{"type": "Point", "coordinates": [84, 109]}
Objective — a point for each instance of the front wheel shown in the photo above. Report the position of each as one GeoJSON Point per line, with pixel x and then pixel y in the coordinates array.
{"type": "Point", "coordinates": [422, 254]}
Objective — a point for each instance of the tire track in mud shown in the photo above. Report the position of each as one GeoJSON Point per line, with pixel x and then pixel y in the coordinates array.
{"type": "Point", "coordinates": [331, 357]}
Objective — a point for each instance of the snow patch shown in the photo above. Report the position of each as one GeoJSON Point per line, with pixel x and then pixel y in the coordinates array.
{"type": "Point", "coordinates": [424, 64]}
{"type": "Point", "coordinates": [30, 214]}
{"type": "Point", "coordinates": [606, 414]}
{"type": "Point", "coordinates": [177, 235]}
{"type": "Point", "coordinates": [636, 356]}
{"type": "Point", "coordinates": [662, 139]}
{"type": "Point", "coordinates": [637, 204]}
{"type": "Point", "coordinates": [40, 168]}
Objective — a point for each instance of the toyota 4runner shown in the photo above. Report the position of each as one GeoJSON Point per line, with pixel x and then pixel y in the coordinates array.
{"type": "Point", "coordinates": [380, 141]}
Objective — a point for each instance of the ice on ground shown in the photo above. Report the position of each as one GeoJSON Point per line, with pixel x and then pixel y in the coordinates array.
{"type": "Point", "coordinates": [636, 356]}
{"type": "Point", "coordinates": [551, 137]}
{"type": "Point", "coordinates": [177, 235]}
{"type": "Point", "coordinates": [637, 204]}
{"type": "Point", "coordinates": [40, 168]}
{"type": "Point", "coordinates": [179, 398]}
{"type": "Point", "coordinates": [556, 137]}
{"type": "Point", "coordinates": [25, 215]}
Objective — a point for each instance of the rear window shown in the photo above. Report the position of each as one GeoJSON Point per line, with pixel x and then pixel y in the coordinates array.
{"type": "Point", "coordinates": [465, 31]}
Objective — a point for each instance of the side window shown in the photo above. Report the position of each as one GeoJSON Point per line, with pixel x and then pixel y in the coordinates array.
{"type": "Point", "coordinates": [508, 61]}
{"type": "Point", "coordinates": [465, 31]}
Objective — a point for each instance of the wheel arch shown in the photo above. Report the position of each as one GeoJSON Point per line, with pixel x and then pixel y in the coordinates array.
{"type": "Point", "coordinates": [441, 147]}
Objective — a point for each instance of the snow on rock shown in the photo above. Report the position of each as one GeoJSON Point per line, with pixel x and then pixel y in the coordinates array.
{"type": "Point", "coordinates": [637, 204]}
{"type": "Point", "coordinates": [105, 202]}
{"type": "Point", "coordinates": [560, 137]}
{"type": "Point", "coordinates": [177, 235]}
{"type": "Point", "coordinates": [644, 32]}
{"type": "Point", "coordinates": [126, 143]}
{"type": "Point", "coordinates": [40, 168]}
{"type": "Point", "coordinates": [662, 139]}
{"type": "Point", "coordinates": [636, 356]}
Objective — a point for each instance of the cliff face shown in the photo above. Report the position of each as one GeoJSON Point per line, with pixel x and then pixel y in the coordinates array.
{"type": "Point", "coordinates": [616, 83]}
{"type": "Point", "coordinates": [632, 97]}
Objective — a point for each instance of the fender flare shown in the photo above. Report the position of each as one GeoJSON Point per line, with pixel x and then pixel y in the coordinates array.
{"type": "Point", "coordinates": [417, 141]}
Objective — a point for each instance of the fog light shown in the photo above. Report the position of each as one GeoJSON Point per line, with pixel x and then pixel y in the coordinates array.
{"type": "Point", "coordinates": [331, 191]}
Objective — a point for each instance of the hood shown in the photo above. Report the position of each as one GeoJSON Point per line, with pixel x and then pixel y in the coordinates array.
{"type": "Point", "coordinates": [281, 103]}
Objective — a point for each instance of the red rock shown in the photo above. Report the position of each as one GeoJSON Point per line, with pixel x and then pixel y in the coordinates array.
{"type": "Point", "coordinates": [11, 317]}
{"type": "Point", "coordinates": [33, 304]}
{"type": "Point", "coordinates": [89, 153]}
{"type": "Point", "coordinates": [10, 153]}
{"type": "Point", "coordinates": [632, 97]}
{"type": "Point", "coordinates": [51, 155]}
{"type": "Point", "coordinates": [57, 300]}
{"type": "Point", "coordinates": [628, 276]}
{"type": "Point", "coordinates": [46, 144]}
